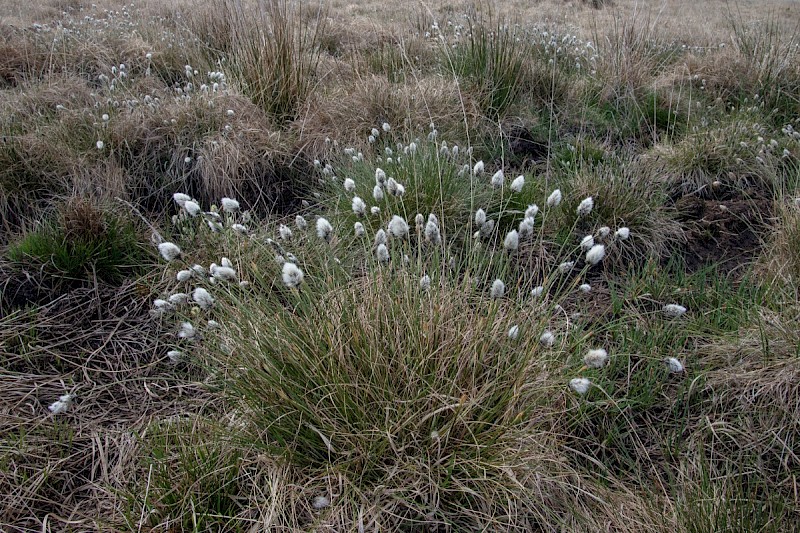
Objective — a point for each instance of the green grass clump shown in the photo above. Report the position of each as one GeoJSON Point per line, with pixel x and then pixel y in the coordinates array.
{"type": "Point", "coordinates": [85, 243]}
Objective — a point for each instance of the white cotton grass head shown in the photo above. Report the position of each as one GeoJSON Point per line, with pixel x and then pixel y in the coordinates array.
{"type": "Point", "coordinates": [391, 186]}
{"type": "Point", "coordinates": [477, 170]}
{"type": "Point", "coordinates": [532, 211]}
{"type": "Point", "coordinates": [61, 405]}
{"type": "Point", "coordinates": [300, 222]}
{"type": "Point", "coordinates": [398, 227]}
{"type": "Point", "coordinates": [674, 365]}
{"type": "Point", "coordinates": [100, 145]}
{"type": "Point", "coordinates": [169, 250]}
{"type": "Point", "coordinates": [239, 229]}
{"type": "Point", "coordinates": [587, 242]}
{"type": "Point", "coordinates": [480, 217]}
{"type": "Point", "coordinates": [320, 502]}
{"type": "Point", "coordinates": [603, 232]}
{"type": "Point", "coordinates": [349, 185]}
{"type": "Point", "coordinates": [285, 232]}
{"type": "Point", "coordinates": [432, 233]}
{"type": "Point", "coordinates": [511, 242]}
{"type": "Point", "coordinates": [674, 310]}
{"type": "Point", "coordinates": [380, 237]}
{"type": "Point", "coordinates": [419, 221]}
{"type": "Point", "coordinates": [585, 288]}
{"type": "Point", "coordinates": [198, 269]}
{"type": "Point", "coordinates": [547, 339]}
{"type": "Point", "coordinates": [513, 333]}
{"type": "Point", "coordinates": [202, 298]}
{"type": "Point", "coordinates": [174, 356]}
{"type": "Point", "coordinates": [179, 298]}
{"type": "Point", "coordinates": [192, 207]}
{"type": "Point", "coordinates": [292, 275]}
{"type": "Point", "coordinates": [518, 184]}
{"type": "Point", "coordinates": [565, 267]}
{"type": "Point", "coordinates": [359, 207]}
{"type": "Point", "coordinates": [537, 291]}
{"type": "Point", "coordinates": [498, 289]}
{"type": "Point", "coordinates": [224, 273]}
{"type": "Point", "coordinates": [382, 253]}
{"type": "Point", "coordinates": [181, 198]}
{"type": "Point", "coordinates": [375, 210]}
{"type": "Point", "coordinates": [623, 233]}
{"type": "Point", "coordinates": [386, 127]}
{"type": "Point", "coordinates": [425, 283]}
{"type": "Point", "coordinates": [184, 275]}
{"type": "Point", "coordinates": [595, 254]}
{"type": "Point", "coordinates": [377, 193]}
{"type": "Point", "coordinates": [585, 207]}
{"type": "Point", "coordinates": [359, 230]}
{"type": "Point", "coordinates": [580, 385]}
{"type": "Point", "coordinates": [596, 358]}
{"type": "Point", "coordinates": [380, 176]}
{"type": "Point", "coordinates": [497, 179]}
{"type": "Point", "coordinates": [324, 229]}
{"type": "Point", "coordinates": [187, 331]}
{"type": "Point", "coordinates": [226, 262]}
{"type": "Point", "coordinates": [554, 199]}
{"type": "Point", "coordinates": [229, 205]}
{"type": "Point", "coordinates": [526, 227]}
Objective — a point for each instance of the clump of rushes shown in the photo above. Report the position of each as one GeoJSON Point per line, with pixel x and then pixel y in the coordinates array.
{"type": "Point", "coordinates": [370, 334]}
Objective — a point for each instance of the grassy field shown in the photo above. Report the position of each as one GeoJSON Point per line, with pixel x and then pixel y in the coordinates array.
{"type": "Point", "coordinates": [448, 266]}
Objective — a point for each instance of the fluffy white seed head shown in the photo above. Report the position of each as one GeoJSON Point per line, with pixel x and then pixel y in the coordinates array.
{"type": "Point", "coordinates": [184, 275]}
{"type": "Point", "coordinates": [377, 193]}
{"type": "Point", "coordinates": [187, 331]}
{"type": "Point", "coordinates": [349, 185]}
{"type": "Point", "coordinates": [202, 298]}
{"type": "Point", "coordinates": [174, 356]}
{"type": "Point", "coordinates": [292, 275]}
{"type": "Point", "coordinates": [358, 227]}
{"type": "Point", "coordinates": [100, 145]}
{"type": "Point", "coordinates": [192, 207]}
{"type": "Point", "coordinates": [498, 289]}
{"type": "Point", "coordinates": [324, 229]}
{"type": "Point", "coordinates": [375, 210]}
{"type": "Point", "coordinates": [585, 288]}
{"type": "Point", "coordinates": [674, 365]}
{"type": "Point", "coordinates": [229, 205]}
{"type": "Point", "coordinates": [526, 227]}
{"type": "Point", "coordinates": [380, 176]}
{"type": "Point", "coordinates": [511, 242]}
{"type": "Point", "coordinates": [623, 233]}
{"type": "Point", "coordinates": [239, 229]}
{"type": "Point", "coordinates": [547, 338]}
{"type": "Point", "coordinates": [391, 186]}
{"type": "Point", "coordinates": [226, 262]}
{"type": "Point", "coordinates": [425, 283]}
{"type": "Point", "coordinates": [61, 405]}
{"type": "Point", "coordinates": [477, 170]}
{"type": "Point", "coordinates": [300, 222]}
{"type": "Point", "coordinates": [587, 242]}
{"type": "Point", "coordinates": [398, 227]}
{"type": "Point", "coordinates": [497, 179]}
{"type": "Point", "coordinates": [513, 333]}
{"type": "Point", "coordinates": [382, 253]}
{"type": "Point", "coordinates": [585, 207]}
{"type": "Point", "coordinates": [537, 291]}
{"type": "Point", "coordinates": [518, 184]}
{"type": "Point", "coordinates": [224, 273]}
{"type": "Point", "coordinates": [580, 385]}
{"type": "Point", "coordinates": [359, 207]}
{"type": "Point", "coordinates": [285, 232]}
{"type": "Point", "coordinates": [169, 250]}
{"type": "Point", "coordinates": [554, 199]}
{"type": "Point", "coordinates": [386, 127]}
{"type": "Point", "coordinates": [432, 233]}
{"type": "Point", "coordinates": [674, 310]}
{"type": "Point", "coordinates": [532, 211]}
{"type": "Point", "coordinates": [179, 298]}
{"type": "Point", "coordinates": [603, 232]}
{"type": "Point", "coordinates": [380, 237]}
{"type": "Point", "coordinates": [595, 254]}
{"type": "Point", "coordinates": [595, 358]}
{"type": "Point", "coordinates": [181, 198]}
{"type": "Point", "coordinates": [565, 267]}
{"type": "Point", "coordinates": [320, 502]}
{"type": "Point", "coordinates": [480, 217]}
